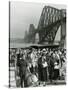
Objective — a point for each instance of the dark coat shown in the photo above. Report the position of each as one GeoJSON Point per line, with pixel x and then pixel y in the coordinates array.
{"type": "Point", "coordinates": [22, 67]}
{"type": "Point", "coordinates": [18, 59]}
{"type": "Point", "coordinates": [40, 69]}
{"type": "Point", "coordinates": [51, 68]}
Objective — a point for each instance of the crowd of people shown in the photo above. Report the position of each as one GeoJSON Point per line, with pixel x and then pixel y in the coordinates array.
{"type": "Point", "coordinates": [47, 64]}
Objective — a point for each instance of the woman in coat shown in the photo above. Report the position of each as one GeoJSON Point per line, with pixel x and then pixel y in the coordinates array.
{"type": "Point", "coordinates": [44, 69]}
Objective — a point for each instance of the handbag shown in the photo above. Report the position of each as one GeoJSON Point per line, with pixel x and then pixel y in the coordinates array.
{"type": "Point", "coordinates": [45, 64]}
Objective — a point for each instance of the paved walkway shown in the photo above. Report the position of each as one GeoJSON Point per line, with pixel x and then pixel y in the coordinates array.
{"type": "Point", "coordinates": [13, 80]}
{"type": "Point", "coordinates": [12, 77]}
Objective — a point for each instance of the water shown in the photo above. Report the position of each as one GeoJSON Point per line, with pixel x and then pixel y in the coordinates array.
{"type": "Point", "coordinates": [20, 45]}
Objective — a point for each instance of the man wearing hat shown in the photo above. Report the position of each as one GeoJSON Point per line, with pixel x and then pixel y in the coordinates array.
{"type": "Point", "coordinates": [22, 66]}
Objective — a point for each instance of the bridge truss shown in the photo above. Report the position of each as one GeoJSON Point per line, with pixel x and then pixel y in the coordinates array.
{"type": "Point", "coordinates": [50, 20]}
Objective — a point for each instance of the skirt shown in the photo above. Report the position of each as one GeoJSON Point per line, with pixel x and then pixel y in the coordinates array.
{"type": "Point", "coordinates": [56, 74]}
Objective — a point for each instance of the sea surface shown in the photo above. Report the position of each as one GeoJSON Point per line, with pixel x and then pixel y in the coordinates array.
{"type": "Point", "coordinates": [20, 45]}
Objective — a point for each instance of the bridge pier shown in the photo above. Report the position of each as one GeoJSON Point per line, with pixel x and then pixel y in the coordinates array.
{"type": "Point", "coordinates": [63, 34]}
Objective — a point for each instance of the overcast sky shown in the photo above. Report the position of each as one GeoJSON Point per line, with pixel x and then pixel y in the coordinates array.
{"type": "Point", "coordinates": [22, 14]}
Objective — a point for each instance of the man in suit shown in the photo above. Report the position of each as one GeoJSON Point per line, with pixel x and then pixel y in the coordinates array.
{"type": "Point", "coordinates": [22, 64]}
{"type": "Point", "coordinates": [22, 68]}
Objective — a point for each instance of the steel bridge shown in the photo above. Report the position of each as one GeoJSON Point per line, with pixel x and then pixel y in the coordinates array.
{"type": "Point", "coordinates": [50, 20]}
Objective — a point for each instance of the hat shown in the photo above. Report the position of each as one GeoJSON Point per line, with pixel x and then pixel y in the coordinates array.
{"type": "Point", "coordinates": [44, 49]}
{"type": "Point", "coordinates": [55, 63]}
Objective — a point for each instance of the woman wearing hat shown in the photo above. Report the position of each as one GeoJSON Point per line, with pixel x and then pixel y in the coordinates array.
{"type": "Point", "coordinates": [44, 68]}
{"type": "Point", "coordinates": [56, 71]}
